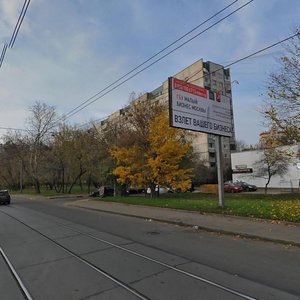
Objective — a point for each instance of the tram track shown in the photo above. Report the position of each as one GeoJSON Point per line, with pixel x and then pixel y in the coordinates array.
{"type": "Point", "coordinates": [81, 259]}
{"type": "Point", "coordinates": [117, 281]}
{"type": "Point", "coordinates": [16, 276]}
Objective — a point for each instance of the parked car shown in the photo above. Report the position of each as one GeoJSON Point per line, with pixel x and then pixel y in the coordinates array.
{"type": "Point", "coordinates": [246, 186]}
{"type": "Point", "coordinates": [158, 189]}
{"type": "Point", "coordinates": [131, 191]}
{"type": "Point", "coordinates": [4, 197]}
{"type": "Point", "coordinates": [103, 191]}
{"type": "Point", "coordinates": [231, 187]}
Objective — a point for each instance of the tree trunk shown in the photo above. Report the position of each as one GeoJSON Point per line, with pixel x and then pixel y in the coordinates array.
{"type": "Point", "coordinates": [74, 182]}
{"type": "Point", "coordinates": [63, 180]}
{"type": "Point", "coordinates": [37, 186]}
{"type": "Point", "coordinates": [266, 186]}
{"type": "Point", "coordinates": [152, 188]}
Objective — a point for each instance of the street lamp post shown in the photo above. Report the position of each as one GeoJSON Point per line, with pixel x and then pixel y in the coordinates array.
{"type": "Point", "coordinates": [21, 176]}
{"type": "Point", "coordinates": [220, 170]}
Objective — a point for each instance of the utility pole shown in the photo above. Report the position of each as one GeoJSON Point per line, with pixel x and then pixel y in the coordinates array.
{"type": "Point", "coordinates": [21, 176]}
{"type": "Point", "coordinates": [220, 170]}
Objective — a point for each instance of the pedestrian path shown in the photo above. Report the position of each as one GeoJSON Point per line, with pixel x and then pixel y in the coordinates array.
{"type": "Point", "coordinates": [280, 232]}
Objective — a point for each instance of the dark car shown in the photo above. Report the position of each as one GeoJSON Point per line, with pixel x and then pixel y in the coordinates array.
{"type": "Point", "coordinates": [103, 191]}
{"type": "Point", "coordinates": [132, 191]}
{"type": "Point", "coordinates": [246, 186]}
{"type": "Point", "coordinates": [4, 197]}
{"type": "Point", "coordinates": [232, 187]}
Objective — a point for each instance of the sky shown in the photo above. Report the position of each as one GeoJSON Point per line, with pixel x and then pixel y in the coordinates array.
{"type": "Point", "coordinates": [67, 51]}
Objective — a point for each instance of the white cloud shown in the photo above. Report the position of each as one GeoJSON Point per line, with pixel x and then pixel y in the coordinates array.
{"type": "Point", "coordinates": [68, 51]}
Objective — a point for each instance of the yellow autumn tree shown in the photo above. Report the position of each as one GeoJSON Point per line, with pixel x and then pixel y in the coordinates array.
{"type": "Point", "coordinates": [160, 163]}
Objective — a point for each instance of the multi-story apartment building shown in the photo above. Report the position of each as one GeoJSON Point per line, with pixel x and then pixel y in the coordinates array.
{"type": "Point", "coordinates": [211, 76]}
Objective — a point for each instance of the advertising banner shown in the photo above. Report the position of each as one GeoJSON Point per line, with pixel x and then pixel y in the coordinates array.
{"type": "Point", "coordinates": [195, 108]}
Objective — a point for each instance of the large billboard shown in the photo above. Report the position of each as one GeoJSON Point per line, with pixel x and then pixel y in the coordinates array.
{"type": "Point", "coordinates": [198, 109]}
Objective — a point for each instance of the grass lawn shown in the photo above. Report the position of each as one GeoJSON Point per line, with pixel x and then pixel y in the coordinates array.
{"type": "Point", "coordinates": [284, 207]}
{"type": "Point", "coordinates": [48, 193]}
{"type": "Point", "coordinates": [281, 207]}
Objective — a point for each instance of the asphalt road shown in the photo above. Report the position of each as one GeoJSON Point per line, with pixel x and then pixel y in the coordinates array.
{"type": "Point", "coordinates": [52, 251]}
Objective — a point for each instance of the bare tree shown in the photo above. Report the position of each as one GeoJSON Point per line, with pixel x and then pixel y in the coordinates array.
{"type": "Point", "coordinates": [140, 115]}
{"type": "Point", "coordinates": [41, 124]}
{"type": "Point", "coordinates": [274, 159]}
{"type": "Point", "coordinates": [9, 165]}
{"type": "Point", "coordinates": [272, 163]}
{"type": "Point", "coordinates": [282, 108]}
{"type": "Point", "coordinates": [78, 155]}
{"type": "Point", "coordinates": [14, 159]}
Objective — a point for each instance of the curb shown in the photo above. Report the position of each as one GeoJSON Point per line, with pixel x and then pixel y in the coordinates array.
{"type": "Point", "coordinates": [66, 197]}
{"type": "Point", "coordinates": [205, 228]}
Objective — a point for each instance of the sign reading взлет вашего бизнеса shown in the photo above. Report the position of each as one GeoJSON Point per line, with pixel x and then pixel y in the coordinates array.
{"type": "Point", "coordinates": [195, 108]}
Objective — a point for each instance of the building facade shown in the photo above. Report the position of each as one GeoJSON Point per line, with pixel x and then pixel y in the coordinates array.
{"type": "Point", "coordinates": [207, 75]}
{"type": "Point", "coordinates": [247, 160]}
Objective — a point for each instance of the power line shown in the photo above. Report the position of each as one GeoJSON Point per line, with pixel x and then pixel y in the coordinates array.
{"type": "Point", "coordinates": [236, 61]}
{"type": "Point", "coordinates": [94, 121]}
{"type": "Point", "coordinates": [251, 55]}
{"type": "Point", "coordinates": [19, 23]}
{"type": "Point", "coordinates": [15, 32]}
{"type": "Point", "coordinates": [153, 56]}
{"type": "Point", "coordinates": [226, 66]}
{"type": "Point", "coordinates": [242, 59]}
{"type": "Point", "coordinates": [3, 54]}
{"type": "Point", "coordinates": [221, 68]}
{"type": "Point", "coordinates": [15, 129]}
{"type": "Point", "coordinates": [264, 49]}
{"type": "Point", "coordinates": [89, 101]}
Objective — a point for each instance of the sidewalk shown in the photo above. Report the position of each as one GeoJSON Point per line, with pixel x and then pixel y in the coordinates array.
{"type": "Point", "coordinates": [279, 232]}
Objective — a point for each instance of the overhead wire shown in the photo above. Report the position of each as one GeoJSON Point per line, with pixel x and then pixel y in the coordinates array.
{"type": "Point", "coordinates": [221, 68]}
{"type": "Point", "coordinates": [3, 54]}
{"type": "Point", "coordinates": [228, 65]}
{"type": "Point", "coordinates": [15, 32]}
{"type": "Point", "coordinates": [94, 121]}
{"type": "Point", "coordinates": [238, 60]}
{"type": "Point", "coordinates": [248, 56]}
{"type": "Point", "coordinates": [15, 129]}
{"type": "Point", "coordinates": [234, 62]}
{"type": "Point", "coordinates": [19, 23]}
{"type": "Point", "coordinates": [11, 44]}
{"type": "Point", "coordinates": [92, 100]}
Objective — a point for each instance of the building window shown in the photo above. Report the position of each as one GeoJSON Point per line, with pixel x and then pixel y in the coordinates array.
{"type": "Point", "coordinates": [227, 73]}
{"type": "Point", "coordinates": [206, 66]}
